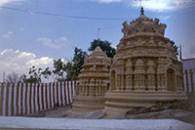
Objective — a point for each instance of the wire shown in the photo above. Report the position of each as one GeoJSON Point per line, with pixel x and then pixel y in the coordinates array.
{"type": "Point", "coordinates": [62, 16]}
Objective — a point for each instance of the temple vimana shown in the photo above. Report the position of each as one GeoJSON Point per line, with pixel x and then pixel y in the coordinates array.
{"type": "Point", "coordinates": [144, 72]}
{"type": "Point", "coordinates": [93, 82]}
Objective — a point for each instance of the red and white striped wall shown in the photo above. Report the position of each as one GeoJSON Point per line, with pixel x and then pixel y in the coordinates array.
{"type": "Point", "coordinates": [19, 99]}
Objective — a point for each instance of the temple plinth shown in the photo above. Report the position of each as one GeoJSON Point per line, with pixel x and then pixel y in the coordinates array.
{"type": "Point", "coordinates": [93, 82]}
{"type": "Point", "coordinates": [145, 69]}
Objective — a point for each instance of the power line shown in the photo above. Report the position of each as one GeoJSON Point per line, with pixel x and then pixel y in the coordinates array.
{"type": "Point", "coordinates": [72, 16]}
{"type": "Point", "coordinates": [61, 16]}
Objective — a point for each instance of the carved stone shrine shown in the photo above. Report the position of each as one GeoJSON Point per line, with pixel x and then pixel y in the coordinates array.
{"type": "Point", "coordinates": [93, 82]}
{"type": "Point", "coordinates": [145, 69]}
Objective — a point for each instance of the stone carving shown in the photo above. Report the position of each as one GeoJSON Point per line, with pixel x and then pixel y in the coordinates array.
{"type": "Point", "coordinates": [143, 24]}
{"type": "Point", "coordinates": [93, 82]}
{"type": "Point", "coordinates": [129, 75]}
{"type": "Point", "coordinates": [151, 75]}
{"type": "Point", "coordinates": [145, 69]}
{"type": "Point", "coordinates": [125, 29]}
{"type": "Point", "coordinates": [139, 74]}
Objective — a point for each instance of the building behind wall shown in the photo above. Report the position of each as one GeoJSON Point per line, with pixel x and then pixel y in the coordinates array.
{"type": "Point", "coordinates": [189, 74]}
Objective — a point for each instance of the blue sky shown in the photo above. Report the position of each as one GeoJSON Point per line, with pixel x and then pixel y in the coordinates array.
{"type": "Point", "coordinates": [26, 29]}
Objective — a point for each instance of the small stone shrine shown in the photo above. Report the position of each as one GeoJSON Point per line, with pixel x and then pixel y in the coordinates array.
{"type": "Point", "coordinates": [145, 70]}
{"type": "Point", "coordinates": [93, 82]}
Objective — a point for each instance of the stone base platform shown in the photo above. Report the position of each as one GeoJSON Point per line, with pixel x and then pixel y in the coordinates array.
{"type": "Point", "coordinates": [87, 103]}
{"type": "Point", "coordinates": [120, 102]}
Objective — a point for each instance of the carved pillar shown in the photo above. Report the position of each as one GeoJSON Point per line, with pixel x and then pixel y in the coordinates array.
{"type": "Point", "coordinates": [122, 85]}
{"type": "Point", "coordinates": [82, 88]}
{"type": "Point", "coordinates": [151, 76]}
{"type": "Point", "coordinates": [118, 81]}
{"type": "Point", "coordinates": [179, 82]}
{"type": "Point", "coordinates": [129, 75]}
{"type": "Point", "coordinates": [161, 75]}
{"type": "Point", "coordinates": [96, 88]}
{"type": "Point", "coordinates": [120, 75]}
{"type": "Point", "coordinates": [93, 86]}
{"type": "Point", "coordinates": [139, 75]}
{"type": "Point", "coordinates": [102, 87]}
{"type": "Point", "coordinates": [161, 81]}
{"type": "Point", "coordinates": [87, 89]}
{"type": "Point", "coordinates": [113, 80]}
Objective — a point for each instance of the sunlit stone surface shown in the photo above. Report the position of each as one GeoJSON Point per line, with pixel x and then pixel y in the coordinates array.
{"type": "Point", "coordinates": [145, 69]}
{"type": "Point", "coordinates": [93, 82]}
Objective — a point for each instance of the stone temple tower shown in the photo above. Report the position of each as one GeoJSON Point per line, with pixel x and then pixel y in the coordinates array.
{"type": "Point", "coordinates": [145, 69]}
{"type": "Point", "coordinates": [93, 82]}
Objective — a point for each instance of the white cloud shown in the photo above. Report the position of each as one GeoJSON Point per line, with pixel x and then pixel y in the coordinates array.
{"type": "Point", "coordinates": [20, 61]}
{"type": "Point", "coordinates": [107, 1]}
{"type": "Point", "coordinates": [7, 35]}
{"type": "Point", "coordinates": [162, 5]}
{"type": "Point", "coordinates": [155, 5]}
{"type": "Point", "coordinates": [4, 2]}
{"type": "Point", "coordinates": [58, 43]}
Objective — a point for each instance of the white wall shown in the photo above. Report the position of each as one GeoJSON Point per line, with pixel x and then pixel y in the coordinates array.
{"type": "Point", "coordinates": [189, 74]}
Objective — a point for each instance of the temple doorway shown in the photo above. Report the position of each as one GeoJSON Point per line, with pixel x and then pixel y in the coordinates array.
{"type": "Point", "coordinates": [171, 80]}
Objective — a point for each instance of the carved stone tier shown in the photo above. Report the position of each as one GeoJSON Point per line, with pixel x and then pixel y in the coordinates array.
{"type": "Point", "coordinates": [93, 82]}
{"type": "Point", "coordinates": [121, 102]}
{"type": "Point", "coordinates": [88, 103]}
{"type": "Point", "coordinates": [145, 69]}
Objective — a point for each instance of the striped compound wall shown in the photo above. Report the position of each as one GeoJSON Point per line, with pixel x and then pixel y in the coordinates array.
{"type": "Point", "coordinates": [19, 99]}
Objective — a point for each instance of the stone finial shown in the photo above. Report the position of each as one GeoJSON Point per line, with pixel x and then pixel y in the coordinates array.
{"type": "Point", "coordinates": [98, 52]}
{"type": "Point", "coordinates": [142, 10]}
{"type": "Point", "coordinates": [98, 49]}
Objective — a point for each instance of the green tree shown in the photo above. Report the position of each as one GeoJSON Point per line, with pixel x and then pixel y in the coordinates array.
{"type": "Point", "coordinates": [104, 45]}
{"type": "Point", "coordinates": [69, 69]}
{"type": "Point", "coordinates": [46, 73]}
{"type": "Point", "coordinates": [73, 68]}
{"type": "Point", "coordinates": [34, 75]}
{"type": "Point", "coordinates": [59, 69]}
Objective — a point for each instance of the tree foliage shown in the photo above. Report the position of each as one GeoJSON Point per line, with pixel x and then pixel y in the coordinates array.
{"type": "Point", "coordinates": [59, 69]}
{"type": "Point", "coordinates": [104, 45]}
{"type": "Point", "coordinates": [70, 70]}
{"type": "Point", "coordinates": [46, 73]}
{"type": "Point", "coordinates": [73, 67]}
{"type": "Point", "coordinates": [35, 74]}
